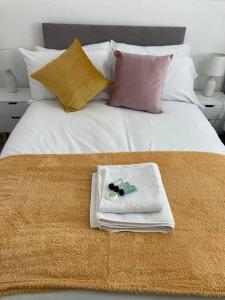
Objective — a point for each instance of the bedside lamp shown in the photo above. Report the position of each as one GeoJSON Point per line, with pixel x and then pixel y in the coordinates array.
{"type": "Point", "coordinates": [215, 68]}
{"type": "Point", "coordinates": [6, 65]}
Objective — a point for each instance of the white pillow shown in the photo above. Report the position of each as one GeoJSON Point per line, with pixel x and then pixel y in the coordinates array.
{"type": "Point", "coordinates": [98, 46]}
{"type": "Point", "coordinates": [37, 59]}
{"type": "Point", "coordinates": [179, 82]}
{"type": "Point", "coordinates": [176, 50]}
{"type": "Point", "coordinates": [34, 61]}
{"type": "Point", "coordinates": [39, 49]}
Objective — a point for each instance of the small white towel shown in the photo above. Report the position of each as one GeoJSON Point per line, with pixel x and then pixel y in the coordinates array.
{"type": "Point", "coordinates": [146, 177]}
{"type": "Point", "coordinates": [138, 222]}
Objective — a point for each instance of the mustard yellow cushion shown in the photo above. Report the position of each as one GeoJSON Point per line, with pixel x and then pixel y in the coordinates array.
{"type": "Point", "coordinates": [72, 78]}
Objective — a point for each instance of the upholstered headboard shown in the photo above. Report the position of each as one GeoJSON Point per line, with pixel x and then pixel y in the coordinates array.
{"type": "Point", "coordinates": [60, 36]}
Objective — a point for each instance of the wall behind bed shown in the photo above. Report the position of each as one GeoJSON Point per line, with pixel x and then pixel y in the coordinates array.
{"type": "Point", "coordinates": [20, 22]}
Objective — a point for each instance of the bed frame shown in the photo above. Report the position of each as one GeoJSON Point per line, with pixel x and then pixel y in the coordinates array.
{"type": "Point", "coordinates": [60, 36]}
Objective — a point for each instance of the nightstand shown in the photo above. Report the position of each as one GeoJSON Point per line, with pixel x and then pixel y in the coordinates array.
{"type": "Point", "coordinates": [12, 107]}
{"type": "Point", "coordinates": [214, 109]}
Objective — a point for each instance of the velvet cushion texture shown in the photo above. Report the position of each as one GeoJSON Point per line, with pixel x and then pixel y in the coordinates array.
{"type": "Point", "coordinates": [72, 78]}
{"type": "Point", "coordinates": [139, 81]}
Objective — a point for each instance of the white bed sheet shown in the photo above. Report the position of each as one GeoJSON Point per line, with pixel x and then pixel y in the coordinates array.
{"type": "Point", "coordinates": [46, 128]}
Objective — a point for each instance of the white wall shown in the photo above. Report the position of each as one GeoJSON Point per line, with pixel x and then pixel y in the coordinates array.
{"type": "Point", "coordinates": [205, 21]}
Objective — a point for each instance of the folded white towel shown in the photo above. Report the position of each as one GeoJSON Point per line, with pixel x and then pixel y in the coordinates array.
{"type": "Point", "coordinates": [146, 177]}
{"type": "Point", "coordinates": [138, 222]}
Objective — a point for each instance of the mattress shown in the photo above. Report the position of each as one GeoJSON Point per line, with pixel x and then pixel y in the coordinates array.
{"type": "Point", "coordinates": [45, 128]}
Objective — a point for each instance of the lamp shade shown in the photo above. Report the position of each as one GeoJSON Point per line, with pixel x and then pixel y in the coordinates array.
{"type": "Point", "coordinates": [6, 61]}
{"type": "Point", "coordinates": [216, 65]}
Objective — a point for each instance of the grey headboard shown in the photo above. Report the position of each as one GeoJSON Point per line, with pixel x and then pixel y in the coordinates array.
{"type": "Point", "coordinates": [60, 36]}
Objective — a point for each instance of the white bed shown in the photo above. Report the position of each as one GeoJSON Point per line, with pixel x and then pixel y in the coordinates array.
{"type": "Point", "coordinates": [46, 128]}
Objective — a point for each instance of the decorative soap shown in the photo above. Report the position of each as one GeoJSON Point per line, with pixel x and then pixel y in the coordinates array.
{"type": "Point", "coordinates": [127, 190]}
{"type": "Point", "coordinates": [122, 187]}
{"type": "Point", "coordinates": [111, 195]}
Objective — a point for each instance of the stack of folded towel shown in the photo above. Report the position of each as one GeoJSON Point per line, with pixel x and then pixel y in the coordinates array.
{"type": "Point", "coordinates": [145, 210]}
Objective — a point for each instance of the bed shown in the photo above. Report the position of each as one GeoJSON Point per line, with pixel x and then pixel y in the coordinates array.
{"type": "Point", "coordinates": [46, 129]}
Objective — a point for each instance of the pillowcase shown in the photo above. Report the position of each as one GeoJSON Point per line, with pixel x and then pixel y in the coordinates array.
{"type": "Point", "coordinates": [100, 55]}
{"type": "Point", "coordinates": [175, 50]}
{"type": "Point", "coordinates": [72, 78]}
{"type": "Point", "coordinates": [179, 82]}
{"type": "Point", "coordinates": [90, 47]}
{"type": "Point", "coordinates": [34, 61]}
{"type": "Point", "coordinates": [39, 48]}
{"type": "Point", "coordinates": [139, 81]}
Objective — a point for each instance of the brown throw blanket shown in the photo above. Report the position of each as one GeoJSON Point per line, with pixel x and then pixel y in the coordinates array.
{"type": "Point", "coordinates": [46, 242]}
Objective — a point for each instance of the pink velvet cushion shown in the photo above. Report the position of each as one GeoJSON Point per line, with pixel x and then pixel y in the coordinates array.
{"type": "Point", "coordinates": [139, 81]}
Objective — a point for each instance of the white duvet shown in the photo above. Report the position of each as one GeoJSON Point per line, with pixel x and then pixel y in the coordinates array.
{"type": "Point", "coordinates": [46, 128]}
